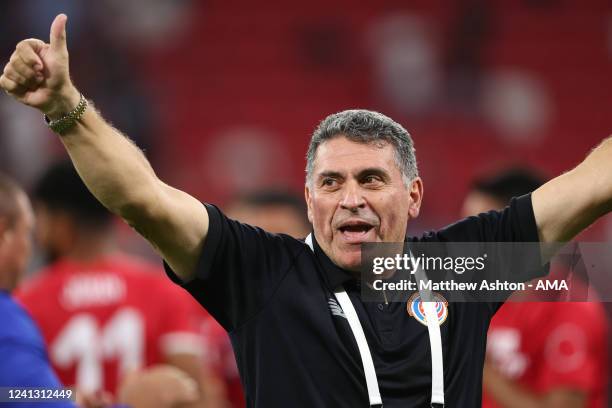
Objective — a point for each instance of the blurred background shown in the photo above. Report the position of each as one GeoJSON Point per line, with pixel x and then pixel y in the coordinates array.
{"type": "Point", "coordinates": [224, 95]}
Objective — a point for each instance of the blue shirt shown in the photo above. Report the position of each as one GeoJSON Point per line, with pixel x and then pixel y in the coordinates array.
{"type": "Point", "coordinates": [23, 357]}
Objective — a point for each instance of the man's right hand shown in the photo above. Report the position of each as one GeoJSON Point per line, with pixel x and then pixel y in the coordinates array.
{"type": "Point", "coordinates": [38, 73]}
{"type": "Point", "coordinates": [111, 165]}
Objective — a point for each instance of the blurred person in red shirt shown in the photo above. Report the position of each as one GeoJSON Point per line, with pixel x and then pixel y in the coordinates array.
{"type": "Point", "coordinates": [24, 360]}
{"type": "Point", "coordinates": [103, 314]}
{"type": "Point", "coordinates": [539, 354]}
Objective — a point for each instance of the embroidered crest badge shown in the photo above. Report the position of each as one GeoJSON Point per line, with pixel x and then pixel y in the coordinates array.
{"type": "Point", "coordinates": [415, 308]}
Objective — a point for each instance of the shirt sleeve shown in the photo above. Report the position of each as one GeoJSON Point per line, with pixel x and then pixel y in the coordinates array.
{"type": "Point", "coordinates": [515, 223]}
{"type": "Point", "coordinates": [239, 268]}
{"type": "Point", "coordinates": [26, 366]}
{"type": "Point", "coordinates": [509, 238]}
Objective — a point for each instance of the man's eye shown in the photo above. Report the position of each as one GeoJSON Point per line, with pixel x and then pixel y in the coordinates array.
{"type": "Point", "coordinates": [329, 182]}
{"type": "Point", "coordinates": [371, 180]}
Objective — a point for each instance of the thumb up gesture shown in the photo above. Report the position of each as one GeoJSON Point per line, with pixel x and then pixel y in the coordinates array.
{"type": "Point", "coordinates": [38, 75]}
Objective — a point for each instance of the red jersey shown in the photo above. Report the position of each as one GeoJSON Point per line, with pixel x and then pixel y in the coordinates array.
{"type": "Point", "coordinates": [547, 345]}
{"type": "Point", "coordinates": [105, 318]}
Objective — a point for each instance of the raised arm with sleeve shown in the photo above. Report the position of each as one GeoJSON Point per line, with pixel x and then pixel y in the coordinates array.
{"type": "Point", "coordinates": [113, 167]}
{"type": "Point", "coordinates": [572, 201]}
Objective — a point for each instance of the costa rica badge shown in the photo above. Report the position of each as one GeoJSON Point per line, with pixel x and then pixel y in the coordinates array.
{"type": "Point", "coordinates": [415, 308]}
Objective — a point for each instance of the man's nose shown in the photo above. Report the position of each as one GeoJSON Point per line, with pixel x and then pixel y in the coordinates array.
{"type": "Point", "coordinates": [352, 199]}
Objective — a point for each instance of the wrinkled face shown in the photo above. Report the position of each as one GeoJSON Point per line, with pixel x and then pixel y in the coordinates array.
{"type": "Point", "coordinates": [357, 195]}
{"type": "Point", "coordinates": [16, 244]}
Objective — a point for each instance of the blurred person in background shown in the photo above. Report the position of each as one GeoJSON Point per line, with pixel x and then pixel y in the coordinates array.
{"type": "Point", "coordinates": [539, 354]}
{"type": "Point", "coordinates": [23, 355]}
{"type": "Point", "coordinates": [276, 211]}
{"type": "Point", "coordinates": [102, 313]}
{"type": "Point", "coordinates": [160, 386]}
{"type": "Point", "coordinates": [24, 361]}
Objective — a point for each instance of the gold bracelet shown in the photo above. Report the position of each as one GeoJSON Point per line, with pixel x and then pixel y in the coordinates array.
{"type": "Point", "coordinates": [67, 121]}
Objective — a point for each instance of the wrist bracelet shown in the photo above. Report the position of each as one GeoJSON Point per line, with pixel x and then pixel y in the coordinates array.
{"type": "Point", "coordinates": [67, 121]}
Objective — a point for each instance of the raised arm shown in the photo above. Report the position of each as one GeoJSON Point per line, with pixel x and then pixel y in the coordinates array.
{"type": "Point", "coordinates": [112, 166]}
{"type": "Point", "coordinates": [571, 202]}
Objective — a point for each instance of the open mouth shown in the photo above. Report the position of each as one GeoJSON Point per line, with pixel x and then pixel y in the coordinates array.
{"type": "Point", "coordinates": [356, 228]}
{"type": "Point", "coordinates": [355, 231]}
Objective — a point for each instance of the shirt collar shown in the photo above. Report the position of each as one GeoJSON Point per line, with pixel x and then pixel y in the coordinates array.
{"type": "Point", "coordinates": [333, 274]}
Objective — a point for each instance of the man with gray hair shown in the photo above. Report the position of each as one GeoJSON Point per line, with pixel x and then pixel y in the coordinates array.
{"type": "Point", "coordinates": [364, 126]}
{"type": "Point", "coordinates": [301, 333]}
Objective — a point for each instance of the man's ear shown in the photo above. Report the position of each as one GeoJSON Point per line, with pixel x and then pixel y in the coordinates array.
{"type": "Point", "coordinates": [416, 197]}
{"type": "Point", "coordinates": [308, 197]}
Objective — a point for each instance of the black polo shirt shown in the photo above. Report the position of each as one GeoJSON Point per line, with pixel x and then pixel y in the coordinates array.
{"type": "Point", "coordinates": [294, 347]}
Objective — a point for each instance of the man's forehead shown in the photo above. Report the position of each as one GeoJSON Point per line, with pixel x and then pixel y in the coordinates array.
{"type": "Point", "coordinates": [343, 155]}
